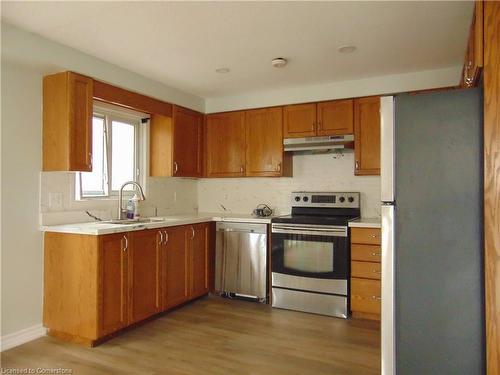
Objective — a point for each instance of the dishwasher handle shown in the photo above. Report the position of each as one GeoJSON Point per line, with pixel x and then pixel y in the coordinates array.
{"type": "Point", "coordinates": [238, 227]}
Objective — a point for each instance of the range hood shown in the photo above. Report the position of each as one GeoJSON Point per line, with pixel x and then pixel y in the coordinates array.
{"type": "Point", "coordinates": [332, 142]}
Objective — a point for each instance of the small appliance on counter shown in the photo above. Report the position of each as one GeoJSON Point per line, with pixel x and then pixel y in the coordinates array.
{"type": "Point", "coordinates": [310, 253]}
{"type": "Point", "coordinates": [263, 210]}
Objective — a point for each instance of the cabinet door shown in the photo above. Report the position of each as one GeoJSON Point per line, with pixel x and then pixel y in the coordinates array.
{"type": "Point", "coordinates": [299, 120]}
{"type": "Point", "coordinates": [336, 117]}
{"type": "Point", "coordinates": [187, 143]}
{"type": "Point", "coordinates": [113, 284]}
{"type": "Point", "coordinates": [367, 135]}
{"type": "Point", "coordinates": [144, 271]}
{"type": "Point", "coordinates": [160, 146]}
{"type": "Point", "coordinates": [175, 267]}
{"type": "Point", "coordinates": [67, 122]}
{"type": "Point", "coordinates": [198, 238]}
{"type": "Point", "coordinates": [474, 54]}
{"type": "Point", "coordinates": [80, 93]}
{"type": "Point", "coordinates": [226, 144]}
{"type": "Point", "coordinates": [264, 142]}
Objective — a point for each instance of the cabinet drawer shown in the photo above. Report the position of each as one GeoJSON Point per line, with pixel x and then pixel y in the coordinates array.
{"type": "Point", "coordinates": [365, 296]}
{"type": "Point", "coordinates": [366, 253]}
{"type": "Point", "coordinates": [370, 236]}
{"type": "Point", "coordinates": [366, 270]}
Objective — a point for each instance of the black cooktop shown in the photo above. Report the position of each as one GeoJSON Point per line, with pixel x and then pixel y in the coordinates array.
{"type": "Point", "coordinates": [314, 219]}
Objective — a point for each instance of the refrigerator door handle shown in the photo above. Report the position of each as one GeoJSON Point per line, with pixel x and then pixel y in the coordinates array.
{"type": "Point", "coordinates": [388, 346]}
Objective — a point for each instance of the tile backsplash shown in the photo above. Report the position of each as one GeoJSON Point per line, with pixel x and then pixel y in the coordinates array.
{"type": "Point", "coordinates": [316, 172]}
{"type": "Point", "coordinates": [169, 196]}
{"type": "Point", "coordinates": [164, 196]}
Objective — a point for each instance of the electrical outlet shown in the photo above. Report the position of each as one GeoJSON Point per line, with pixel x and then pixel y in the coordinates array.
{"type": "Point", "coordinates": [55, 200]}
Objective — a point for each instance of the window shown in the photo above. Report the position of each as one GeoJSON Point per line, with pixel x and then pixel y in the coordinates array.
{"type": "Point", "coordinates": [116, 153]}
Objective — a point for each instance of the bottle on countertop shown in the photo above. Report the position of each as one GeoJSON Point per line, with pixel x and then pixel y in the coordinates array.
{"type": "Point", "coordinates": [135, 201]}
{"type": "Point", "coordinates": [130, 209]}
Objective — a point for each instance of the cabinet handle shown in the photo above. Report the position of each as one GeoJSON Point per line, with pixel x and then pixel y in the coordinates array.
{"type": "Point", "coordinates": [192, 232]}
{"type": "Point", "coordinates": [242, 169]}
{"type": "Point", "coordinates": [376, 298]}
{"type": "Point", "coordinates": [126, 243]}
{"type": "Point", "coordinates": [374, 236]}
{"type": "Point", "coordinates": [375, 254]}
{"type": "Point", "coordinates": [375, 271]}
{"type": "Point", "coordinates": [166, 237]}
{"type": "Point", "coordinates": [357, 164]}
{"type": "Point", "coordinates": [176, 167]}
{"type": "Point", "coordinates": [318, 124]}
{"type": "Point", "coordinates": [161, 237]}
{"type": "Point", "coordinates": [278, 167]}
{"type": "Point", "coordinates": [468, 80]}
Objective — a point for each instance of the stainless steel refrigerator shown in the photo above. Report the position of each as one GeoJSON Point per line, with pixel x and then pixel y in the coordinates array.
{"type": "Point", "coordinates": [432, 226]}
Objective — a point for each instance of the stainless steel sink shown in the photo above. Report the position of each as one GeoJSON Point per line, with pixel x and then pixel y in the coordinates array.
{"type": "Point", "coordinates": [133, 221]}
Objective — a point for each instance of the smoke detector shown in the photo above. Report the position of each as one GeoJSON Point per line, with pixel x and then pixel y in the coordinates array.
{"type": "Point", "coordinates": [279, 62]}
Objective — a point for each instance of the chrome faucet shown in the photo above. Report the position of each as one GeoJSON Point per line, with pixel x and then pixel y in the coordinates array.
{"type": "Point", "coordinates": [120, 197]}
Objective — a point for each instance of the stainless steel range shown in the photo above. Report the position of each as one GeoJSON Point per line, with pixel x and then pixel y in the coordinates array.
{"type": "Point", "coordinates": [310, 253]}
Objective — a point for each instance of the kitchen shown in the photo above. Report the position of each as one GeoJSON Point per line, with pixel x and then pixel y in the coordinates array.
{"type": "Point", "coordinates": [229, 158]}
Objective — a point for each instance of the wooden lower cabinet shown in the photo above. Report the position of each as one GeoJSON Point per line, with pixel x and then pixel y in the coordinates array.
{"type": "Point", "coordinates": [197, 241]}
{"type": "Point", "coordinates": [175, 268]}
{"type": "Point", "coordinates": [365, 273]}
{"type": "Point", "coordinates": [97, 285]}
{"type": "Point", "coordinates": [113, 285]}
{"type": "Point", "coordinates": [144, 274]}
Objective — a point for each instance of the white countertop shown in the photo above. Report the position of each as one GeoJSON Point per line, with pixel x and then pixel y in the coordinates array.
{"type": "Point", "coordinates": [97, 228]}
{"type": "Point", "coordinates": [366, 222]}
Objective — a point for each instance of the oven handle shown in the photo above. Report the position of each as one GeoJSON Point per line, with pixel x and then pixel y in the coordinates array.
{"type": "Point", "coordinates": [341, 232]}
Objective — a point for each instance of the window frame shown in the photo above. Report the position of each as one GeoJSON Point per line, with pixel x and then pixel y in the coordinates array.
{"type": "Point", "coordinates": [110, 113]}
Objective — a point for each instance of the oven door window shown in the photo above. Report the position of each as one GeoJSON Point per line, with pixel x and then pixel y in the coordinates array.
{"type": "Point", "coordinates": [308, 256]}
{"type": "Point", "coordinates": [316, 256]}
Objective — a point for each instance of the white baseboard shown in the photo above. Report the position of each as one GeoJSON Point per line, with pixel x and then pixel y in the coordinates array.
{"type": "Point", "coordinates": [20, 337]}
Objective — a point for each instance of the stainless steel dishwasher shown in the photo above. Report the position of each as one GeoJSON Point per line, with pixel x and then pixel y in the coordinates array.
{"type": "Point", "coordinates": [241, 260]}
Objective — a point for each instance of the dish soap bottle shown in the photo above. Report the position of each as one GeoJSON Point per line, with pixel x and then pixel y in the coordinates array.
{"type": "Point", "coordinates": [135, 202]}
{"type": "Point", "coordinates": [130, 208]}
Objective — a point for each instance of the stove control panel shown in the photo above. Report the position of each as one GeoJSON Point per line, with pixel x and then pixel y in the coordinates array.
{"type": "Point", "coordinates": [325, 199]}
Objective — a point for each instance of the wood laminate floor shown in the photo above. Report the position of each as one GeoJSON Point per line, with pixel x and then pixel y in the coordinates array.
{"type": "Point", "coordinates": [217, 336]}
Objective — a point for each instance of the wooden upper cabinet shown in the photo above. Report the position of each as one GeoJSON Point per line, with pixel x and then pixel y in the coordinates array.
{"type": "Point", "coordinates": [264, 142]}
{"type": "Point", "coordinates": [176, 147]}
{"type": "Point", "coordinates": [197, 238]}
{"type": "Point", "coordinates": [474, 55]}
{"type": "Point", "coordinates": [144, 271]}
{"type": "Point", "coordinates": [225, 142]}
{"type": "Point", "coordinates": [367, 135]}
{"type": "Point", "coordinates": [160, 146]}
{"type": "Point", "coordinates": [67, 122]}
{"type": "Point", "coordinates": [299, 120]}
{"type": "Point", "coordinates": [188, 130]}
{"type": "Point", "coordinates": [335, 117]}
{"type": "Point", "coordinates": [174, 284]}
{"type": "Point", "coordinates": [113, 283]}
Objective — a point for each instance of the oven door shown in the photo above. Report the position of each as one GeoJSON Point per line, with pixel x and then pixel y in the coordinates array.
{"type": "Point", "coordinates": [310, 257]}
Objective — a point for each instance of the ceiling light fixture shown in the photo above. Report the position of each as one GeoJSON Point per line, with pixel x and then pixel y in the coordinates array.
{"type": "Point", "coordinates": [222, 70]}
{"type": "Point", "coordinates": [279, 62]}
{"type": "Point", "coordinates": [347, 49]}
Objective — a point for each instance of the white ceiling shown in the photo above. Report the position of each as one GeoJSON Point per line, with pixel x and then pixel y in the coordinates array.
{"type": "Point", "coordinates": [182, 43]}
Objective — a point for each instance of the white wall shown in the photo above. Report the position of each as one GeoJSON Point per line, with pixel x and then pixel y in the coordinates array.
{"type": "Point", "coordinates": [323, 172]}
{"type": "Point", "coordinates": [336, 90]}
{"type": "Point", "coordinates": [23, 48]}
{"type": "Point", "coordinates": [22, 255]}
